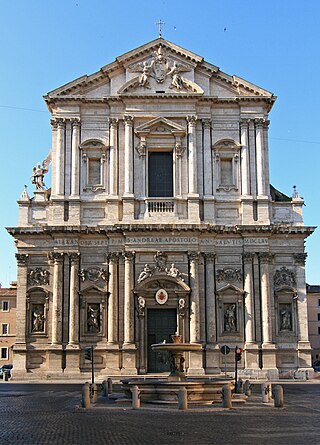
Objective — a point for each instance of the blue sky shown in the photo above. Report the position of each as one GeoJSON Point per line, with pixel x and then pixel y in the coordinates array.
{"type": "Point", "coordinates": [273, 44]}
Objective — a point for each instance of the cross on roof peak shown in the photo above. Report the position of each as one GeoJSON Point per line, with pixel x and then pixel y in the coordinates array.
{"type": "Point", "coordinates": [159, 23]}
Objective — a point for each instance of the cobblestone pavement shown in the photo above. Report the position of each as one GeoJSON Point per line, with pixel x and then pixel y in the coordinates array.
{"type": "Point", "coordinates": [50, 414]}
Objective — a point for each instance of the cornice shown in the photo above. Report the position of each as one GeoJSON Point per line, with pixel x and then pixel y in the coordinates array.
{"type": "Point", "coordinates": [266, 231]}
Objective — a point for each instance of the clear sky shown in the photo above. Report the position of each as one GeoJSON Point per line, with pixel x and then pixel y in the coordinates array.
{"type": "Point", "coordinates": [273, 44]}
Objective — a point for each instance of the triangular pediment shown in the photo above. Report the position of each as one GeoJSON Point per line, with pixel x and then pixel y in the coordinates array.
{"type": "Point", "coordinates": [160, 125]}
{"type": "Point", "coordinates": [158, 68]}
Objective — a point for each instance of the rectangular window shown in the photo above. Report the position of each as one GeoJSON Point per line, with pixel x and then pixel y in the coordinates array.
{"type": "Point", "coordinates": [318, 317]}
{"type": "Point", "coordinates": [226, 172]}
{"type": "Point", "coordinates": [5, 306]}
{"type": "Point", "coordinates": [319, 330]}
{"type": "Point", "coordinates": [319, 302]}
{"type": "Point", "coordinates": [94, 172]}
{"type": "Point", "coordinates": [160, 175]}
{"type": "Point", "coordinates": [5, 329]}
{"type": "Point", "coordinates": [4, 354]}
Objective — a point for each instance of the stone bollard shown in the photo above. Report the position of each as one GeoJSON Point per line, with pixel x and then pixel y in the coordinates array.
{"type": "Point", "coordinates": [86, 395]}
{"type": "Point", "coordinates": [266, 392]}
{"type": "Point", "coordinates": [109, 383]}
{"type": "Point", "coordinates": [277, 395]}
{"type": "Point", "coordinates": [94, 393]}
{"type": "Point", "coordinates": [105, 388]}
{"type": "Point", "coordinates": [135, 397]}
{"type": "Point", "coordinates": [247, 388]}
{"type": "Point", "coordinates": [183, 399]}
{"type": "Point", "coordinates": [226, 396]}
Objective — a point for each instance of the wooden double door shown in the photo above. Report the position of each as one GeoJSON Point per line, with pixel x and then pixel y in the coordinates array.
{"type": "Point", "coordinates": [161, 324]}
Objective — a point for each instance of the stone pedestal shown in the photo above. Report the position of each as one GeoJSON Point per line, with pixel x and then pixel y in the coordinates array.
{"type": "Point", "coordinates": [128, 208]}
{"type": "Point", "coordinates": [19, 361]}
{"type": "Point", "coordinates": [213, 357]}
{"type": "Point", "coordinates": [54, 359]}
{"type": "Point", "coordinates": [208, 209]}
{"type": "Point", "coordinates": [129, 365]}
{"type": "Point", "coordinates": [195, 363]}
{"type": "Point", "coordinates": [112, 360]}
{"type": "Point", "coordinates": [269, 361]}
{"type": "Point", "coordinates": [193, 209]}
{"type": "Point", "coordinates": [72, 359]}
{"type": "Point", "coordinates": [251, 357]}
{"type": "Point", "coordinates": [247, 210]}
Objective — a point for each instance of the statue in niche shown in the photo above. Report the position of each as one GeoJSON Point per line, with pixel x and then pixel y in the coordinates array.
{"type": "Point", "coordinates": [285, 319]}
{"type": "Point", "coordinates": [93, 318]}
{"type": "Point", "coordinates": [38, 319]}
{"type": "Point", "coordinates": [37, 177]}
{"type": "Point", "coordinates": [230, 321]}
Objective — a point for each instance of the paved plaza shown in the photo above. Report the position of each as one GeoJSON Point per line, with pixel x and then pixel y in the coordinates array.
{"type": "Point", "coordinates": [51, 414]}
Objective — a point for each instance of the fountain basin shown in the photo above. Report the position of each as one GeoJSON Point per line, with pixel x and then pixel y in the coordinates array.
{"type": "Point", "coordinates": [158, 391]}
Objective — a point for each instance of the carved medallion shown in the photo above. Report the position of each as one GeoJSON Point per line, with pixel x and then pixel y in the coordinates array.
{"type": "Point", "coordinates": [38, 276]}
{"type": "Point", "coordinates": [93, 274]}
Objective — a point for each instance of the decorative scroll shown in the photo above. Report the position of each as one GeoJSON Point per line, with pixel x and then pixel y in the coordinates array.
{"type": "Point", "coordinates": [182, 307]}
{"type": "Point", "coordinates": [141, 306]}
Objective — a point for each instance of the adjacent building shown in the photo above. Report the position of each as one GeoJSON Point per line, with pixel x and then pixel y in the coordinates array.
{"type": "Point", "coordinates": [8, 298]}
{"type": "Point", "coordinates": [160, 219]}
{"type": "Point", "coordinates": [313, 297]}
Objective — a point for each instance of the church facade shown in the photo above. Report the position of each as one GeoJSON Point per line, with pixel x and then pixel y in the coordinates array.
{"type": "Point", "coordinates": [160, 219]}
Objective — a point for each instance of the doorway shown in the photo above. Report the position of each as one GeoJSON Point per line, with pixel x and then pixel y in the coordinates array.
{"type": "Point", "coordinates": [161, 324]}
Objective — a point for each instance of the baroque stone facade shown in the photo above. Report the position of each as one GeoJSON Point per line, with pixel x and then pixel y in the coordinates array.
{"type": "Point", "coordinates": [160, 219]}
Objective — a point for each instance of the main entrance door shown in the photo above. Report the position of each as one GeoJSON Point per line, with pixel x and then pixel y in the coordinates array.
{"type": "Point", "coordinates": [161, 324]}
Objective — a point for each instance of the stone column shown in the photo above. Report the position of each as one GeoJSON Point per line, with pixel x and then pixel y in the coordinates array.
{"type": "Point", "coordinates": [128, 298]}
{"type": "Point", "coordinates": [56, 312]}
{"type": "Point", "coordinates": [74, 299]}
{"type": "Point", "coordinates": [260, 156]}
{"type": "Point", "coordinates": [59, 179]}
{"type": "Point", "coordinates": [252, 164]}
{"type": "Point", "coordinates": [192, 147]}
{"type": "Point", "coordinates": [268, 348]}
{"type": "Point", "coordinates": [265, 260]}
{"type": "Point", "coordinates": [266, 156]}
{"type": "Point", "coordinates": [113, 298]}
{"type": "Point", "coordinates": [207, 166]}
{"type": "Point", "coordinates": [210, 298]}
{"type": "Point", "coordinates": [179, 150]}
{"type": "Point", "coordinates": [113, 173]}
{"type": "Point", "coordinates": [245, 170]}
{"type": "Point", "coordinates": [304, 349]}
{"type": "Point", "coordinates": [195, 363]}
{"type": "Point", "coordinates": [75, 157]}
{"type": "Point", "coordinates": [128, 156]}
{"type": "Point", "coordinates": [194, 300]}
{"type": "Point", "coordinates": [249, 304]}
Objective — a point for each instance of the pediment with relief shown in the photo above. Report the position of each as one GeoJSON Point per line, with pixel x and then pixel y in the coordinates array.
{"type": "Point", "coordinates": [160, 73]}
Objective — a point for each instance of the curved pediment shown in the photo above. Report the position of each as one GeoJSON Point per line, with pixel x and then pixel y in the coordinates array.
{"type": "Point", "coordinates": [93, 143]}
{"type": "Point", "coordinates": [161, 281]}
{"type": "Point", "coordinates": [85, 290]}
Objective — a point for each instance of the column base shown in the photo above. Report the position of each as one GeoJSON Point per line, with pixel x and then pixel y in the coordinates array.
{"type": "Point", "coordinates": [251, 356]}
{"type": "Point", "coordinates": [19, 361]}
{"type": "Point", "coordinates": [72, 359]}
{"type": "Point", "coordinates": [269, 361]}
{"type": "Point", "coordinates": [193, 208]}
{"type": "Point", "coordinates": [54, 358]}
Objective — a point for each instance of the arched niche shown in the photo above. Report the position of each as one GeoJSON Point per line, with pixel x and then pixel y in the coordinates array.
{"type": "Point", "coordinates": [37, 312]}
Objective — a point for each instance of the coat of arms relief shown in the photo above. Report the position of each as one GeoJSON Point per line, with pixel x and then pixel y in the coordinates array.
{"type": "Point", "coordinates": [160, 68]}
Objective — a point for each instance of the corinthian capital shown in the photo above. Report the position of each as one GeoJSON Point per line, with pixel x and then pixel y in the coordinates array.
{"type": "Point", "coordinates": [300, 258]}
{"type": "Point", "coordinates": [74, 257]}
{"type": "Point", "coordinates": [248, 257]}
{"type": "Point", "coordinates": [191, 120]}
{"type": "Point", "coordinates": [22, 259]}
{"type": "Point", "coordinates": [244, 122]}
{"type": "Point", "coordinates": [55, 257]}
{"type": "Point", "coordinates": [113, 122]}
{"type": "Point", "coordinates": [113, 257]}
{"type": "Point", "coordinates": [259, 122]}
{"type": "Point", "coordinates": [128, 256]}
{"type": "Point", "coordinates": [209, 256]}
{"type": "Point", "coordinates": [75, 122]}
{"type": "Point", "coordinates": [265, 257]}
{"type": "Point", "coordinates": [128, 120]}
{"type": "Point", "coordinates": [193, 256]}
{"type": "Point", "coordinates": [206, 124]}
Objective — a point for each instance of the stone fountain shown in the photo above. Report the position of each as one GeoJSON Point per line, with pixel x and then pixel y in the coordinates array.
{"type": "Point", "coordinates": [201, 390]}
